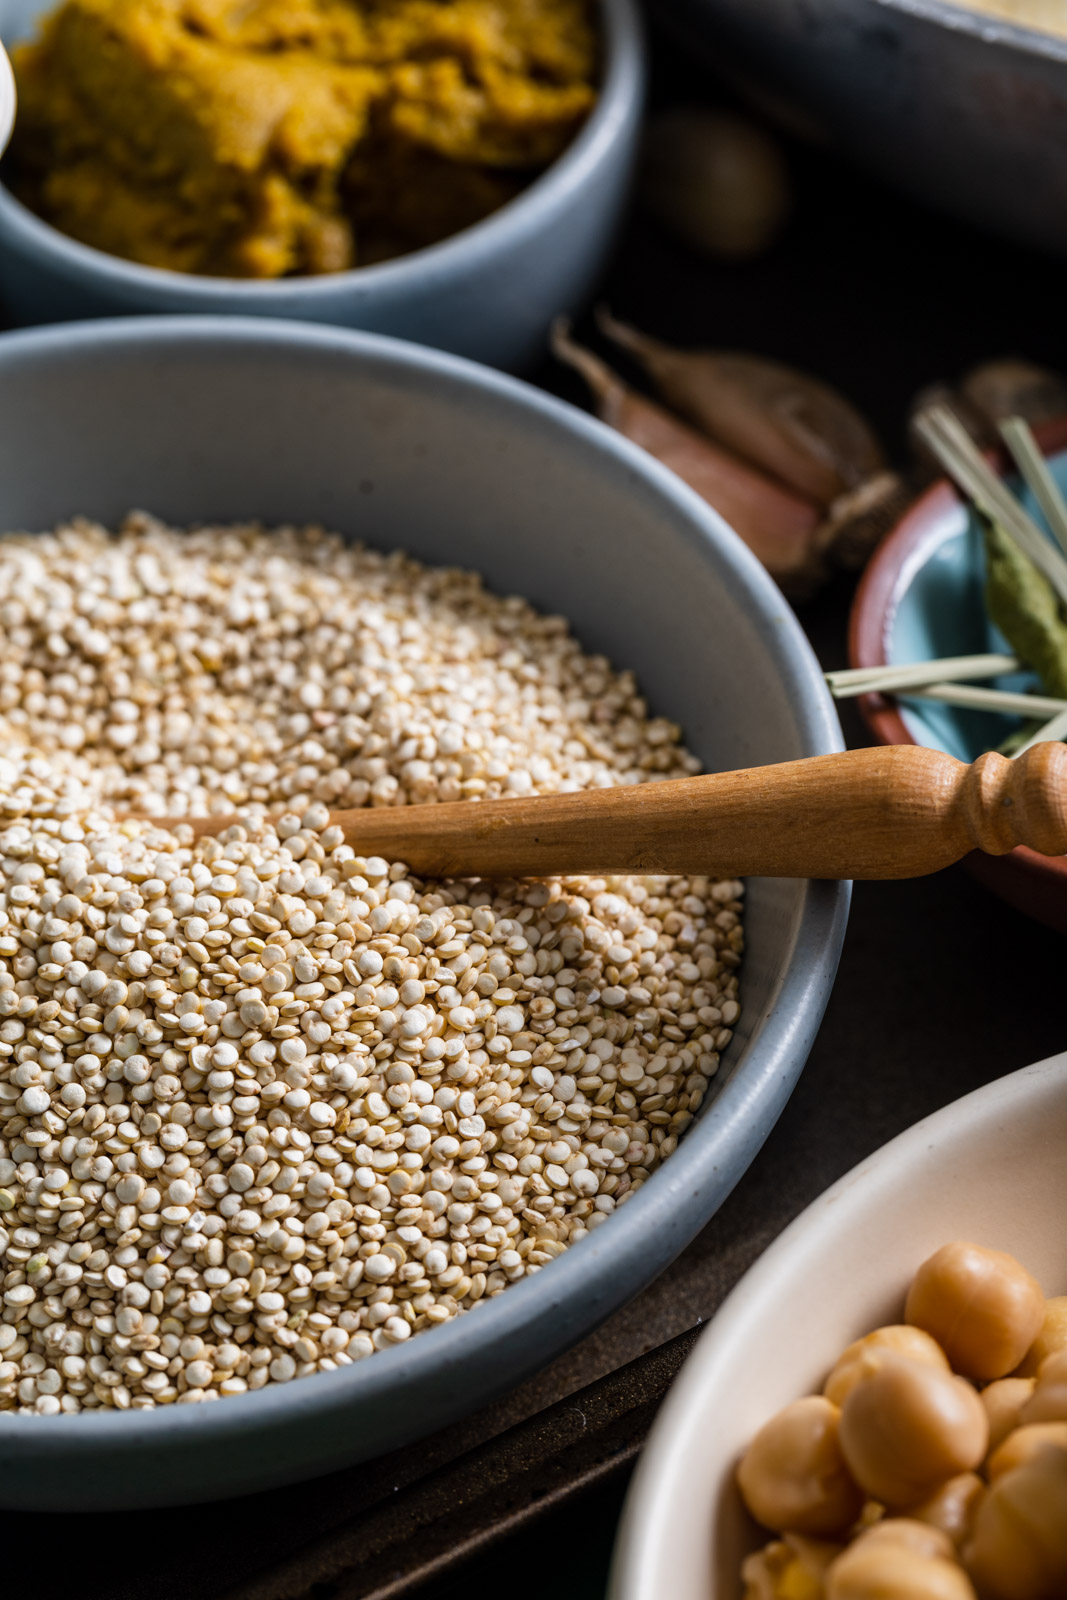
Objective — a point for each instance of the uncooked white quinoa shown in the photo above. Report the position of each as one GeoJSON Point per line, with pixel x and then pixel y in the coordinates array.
{"type": "Point", "coordinates": [267, 1106]}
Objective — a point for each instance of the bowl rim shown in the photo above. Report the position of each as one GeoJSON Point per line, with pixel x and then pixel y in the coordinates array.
{"type": "Point", "coordinates": [886, 579]}
{"type": "Point", "coordinates": [635, 1561]}
{"type": "Point", "coordinates": [735, 1120]}
{"type": "Point", "coordinates": [617, 106]}
{"type": "Point", "coordinates": [960, 18]}
{"type": "Point", "coordinates": [956, 16]}
{"type": "Point", "coordinates": [7, 99]}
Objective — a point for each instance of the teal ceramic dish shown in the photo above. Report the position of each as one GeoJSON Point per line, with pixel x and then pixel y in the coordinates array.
{"type": "Point", "coordinates": [215, 419]}
{"type": "Point", "coordinates": [489, 293]}
{"type": "Point", "coordinates": [921, 597]}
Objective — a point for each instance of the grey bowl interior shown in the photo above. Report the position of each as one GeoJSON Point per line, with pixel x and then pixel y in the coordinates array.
{"type": "Point", "coordinates": [963, 110]}
{"type": "Point", "coordinates": [200, 419]}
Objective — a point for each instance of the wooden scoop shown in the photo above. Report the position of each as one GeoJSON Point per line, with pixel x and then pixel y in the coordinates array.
{"type": "Point", "coordinates": [897, 812]}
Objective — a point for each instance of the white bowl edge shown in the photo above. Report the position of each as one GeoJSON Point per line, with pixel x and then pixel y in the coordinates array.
{"type": "Point", "coordinates": [7, 99]}
{"type": "Point", "coordinates": [683, 1531]}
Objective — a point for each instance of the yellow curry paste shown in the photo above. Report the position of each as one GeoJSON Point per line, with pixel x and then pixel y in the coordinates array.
{"type": "Point", "coordinates": [259, 138]}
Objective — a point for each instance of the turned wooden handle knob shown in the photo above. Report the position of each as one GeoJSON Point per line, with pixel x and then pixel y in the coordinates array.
{"type": "Point", "coordinates": [897, 812]}
{"type": "Point", "coordinates": [1021, 802]}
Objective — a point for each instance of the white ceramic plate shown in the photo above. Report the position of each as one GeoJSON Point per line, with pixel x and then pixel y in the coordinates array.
{"type": "Point", "coordinates": [991, 1167]}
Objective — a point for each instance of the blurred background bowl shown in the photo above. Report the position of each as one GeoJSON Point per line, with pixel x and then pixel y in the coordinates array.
{"type": "Point", "coordinates": [489, 292]}
{"type": "Point", "coordinates": [967, 113]}
{"type": "Point", "coordinates": [215, 419]}
{"type": "Point", "coordinates": [989, 1167]}
{"type": "Point", "coordinates": [922, 597]}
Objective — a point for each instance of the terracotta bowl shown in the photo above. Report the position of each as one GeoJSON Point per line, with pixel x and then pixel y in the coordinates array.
{"type": "Point", "coordinates": [921, 597]}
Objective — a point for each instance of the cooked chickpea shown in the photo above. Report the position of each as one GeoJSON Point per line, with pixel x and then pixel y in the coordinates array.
{"type": "Point", "coordinates": [1051, 1337]}
{"type": "Point", "coordinates": [907, 1427]}
{"type": "Point", "coordinates": [1023, 1444]}
{"type": "Point", "coordinates": [1048, 1403]}
{"type": "Point", "coordinates": [792, 1568]}
{"type": "Point", "coordinates": [982, 1306]}
{"type": "Point", "coordinates": [953, 1505]}
{"type": "Point", "coordinates": [899, 1560]}
{"type": "Point", "coordinates": [1003, 1402]}
{"type": "Point", "coordinates": [910, 1533]}
{"type": "Point", "coordinates": [1018, 1546]}
{"type": "Point", "coordinates": [900, 1338]}
{"type": "Point", "coordinates": [793, 1477]}
{"type": "Point", "coordinates": [943, 1492]}
{"type": "Point", "coordinates": [761, 1571]}
{"type": "Point", "coordinates": [764, 1572]}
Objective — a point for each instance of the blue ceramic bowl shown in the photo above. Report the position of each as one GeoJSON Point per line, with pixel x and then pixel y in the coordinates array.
{"type": "Point", "coordinates": [224, 418]}
{"type": "Point", "coordinates": [922, 597]}
{"type": "Point", "coordinates": [489, 293]}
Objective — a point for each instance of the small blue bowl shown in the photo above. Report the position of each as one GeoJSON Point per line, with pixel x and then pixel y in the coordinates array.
{"type": "Point", "coordinates": [921, 598]}
{"type": "Point", "coordinates": [488, 293]}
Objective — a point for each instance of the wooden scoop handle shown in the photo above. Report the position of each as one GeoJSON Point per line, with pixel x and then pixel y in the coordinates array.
{"type": "Point", "coordinates": [896, 812]}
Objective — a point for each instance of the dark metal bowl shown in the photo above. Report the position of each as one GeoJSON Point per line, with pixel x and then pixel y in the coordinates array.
{"type": "Point", "coordinates": [963, 111]}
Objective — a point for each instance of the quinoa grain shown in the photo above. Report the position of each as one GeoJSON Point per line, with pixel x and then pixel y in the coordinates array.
{"type": "Point", "coordinates": [266, 1106]}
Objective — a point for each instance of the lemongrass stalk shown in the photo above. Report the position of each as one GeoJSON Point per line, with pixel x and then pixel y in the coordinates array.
{"type": "Point", "coordinates": [970, 698]}
{"type": "Point", "coordinates": [961, 459]}
{"type": "Point", "coordinates": [1018, 436]}
{"type": "Point", "coordinates": [1053, 731]}
{"type": "Point", "coordinates": [848, 681]}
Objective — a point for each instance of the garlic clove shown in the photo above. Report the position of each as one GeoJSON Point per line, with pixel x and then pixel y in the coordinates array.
{"type": "Point", "coordinates": [1011, 388]}
{"type": "Point", "coordinates": [716, 180]}
{"type": "Point", "coordinates": [778, 526]}
{"type": "Point", "coordinates": [859, 519]}
{"type": "Point", "coordinates": [786, 423]}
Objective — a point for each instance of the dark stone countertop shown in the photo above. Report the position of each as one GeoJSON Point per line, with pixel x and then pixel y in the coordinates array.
{"type": "Point", "coordinates": [941, 989]}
